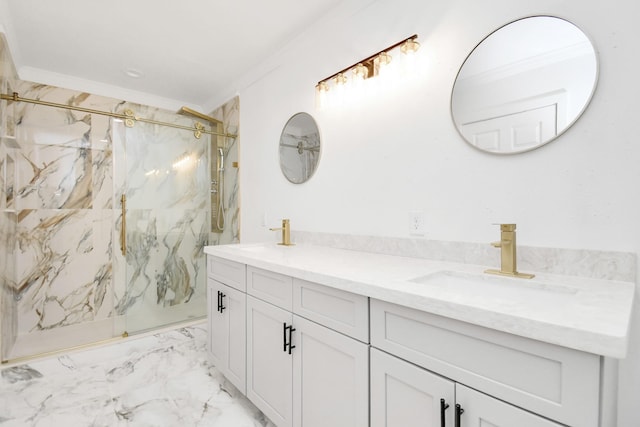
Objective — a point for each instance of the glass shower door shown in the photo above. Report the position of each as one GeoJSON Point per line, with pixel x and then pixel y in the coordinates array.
{"type": "Point", "coordinates": [166, 223]}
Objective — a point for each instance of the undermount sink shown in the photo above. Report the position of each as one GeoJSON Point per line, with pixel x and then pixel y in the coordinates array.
{"type": "Point", "coordinates": [504, 289]}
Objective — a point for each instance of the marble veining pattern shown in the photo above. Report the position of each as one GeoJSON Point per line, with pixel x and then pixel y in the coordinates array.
{"type": "Point", "coordinates": [8, 307]}
{"type": "Point", "coordinates": [586, 314]}
{"type": "Point", "coordinates": [157, 380]}
{"type": "Point", "coordinates": [62, 231]}
{"type": "Point", "coordinates": [229, 115]}
{"type": "Point", "coordinates": [164, 174]}
{"type": "Point", "coordinates": [62, 279]}
{"type": "Point", "coordinates": [584, 263]}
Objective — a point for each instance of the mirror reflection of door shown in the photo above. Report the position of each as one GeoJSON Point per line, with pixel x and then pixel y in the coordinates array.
{"type": "Point", "coordinates": [513, 132]}
{"type": "Point", "coordinates": [524, 85]}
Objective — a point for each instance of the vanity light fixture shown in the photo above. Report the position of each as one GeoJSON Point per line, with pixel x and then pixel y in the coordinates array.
{"type": "Point", "coordinates": [365, 68]}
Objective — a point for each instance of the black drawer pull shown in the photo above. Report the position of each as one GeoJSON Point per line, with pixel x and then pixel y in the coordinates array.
{"type": "Point", "coordinates": [222, 307]}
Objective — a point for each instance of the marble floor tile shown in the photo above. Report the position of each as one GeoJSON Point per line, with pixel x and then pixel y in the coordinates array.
{"type": "Point", "coordinates": [157, 380]}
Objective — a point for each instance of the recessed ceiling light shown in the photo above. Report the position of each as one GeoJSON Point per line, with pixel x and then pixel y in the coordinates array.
{"type": "Point", "coordinates": [133, 73]}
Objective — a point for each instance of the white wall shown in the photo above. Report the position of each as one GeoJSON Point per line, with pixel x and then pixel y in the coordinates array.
{"type": "Point", "coordinates": [400, 152]}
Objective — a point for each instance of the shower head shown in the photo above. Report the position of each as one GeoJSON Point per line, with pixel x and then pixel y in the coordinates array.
{"type": "Point", "coordinates": [186, 111]}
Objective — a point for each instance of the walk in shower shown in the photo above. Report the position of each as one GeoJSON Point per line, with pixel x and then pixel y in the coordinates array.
{"type": "Point", "coordinates": [104, 218]}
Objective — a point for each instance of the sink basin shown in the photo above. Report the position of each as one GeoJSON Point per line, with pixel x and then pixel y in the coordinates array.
{"type": "Point", "coordinates": [502, 289]}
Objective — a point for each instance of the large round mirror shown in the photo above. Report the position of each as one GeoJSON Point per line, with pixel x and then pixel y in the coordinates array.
{"type": "Point", "coordinates": [299, 148]}
{"type": "Point", "coordinates": [524, 85]}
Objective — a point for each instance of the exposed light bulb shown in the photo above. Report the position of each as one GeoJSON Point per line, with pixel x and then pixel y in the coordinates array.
{"type": "Point", "coordinates": [322, 87]}
{"type": "Point", "coordinates": [384, 58]}
{"type": "Point", "coordinates": [410, 46]}
{"type": "Point", "coordinates": [322, 91]}
{"type": "Point", "coordinates": [340, 79]}
{"type": "Point", "coordinates": [360, 72]}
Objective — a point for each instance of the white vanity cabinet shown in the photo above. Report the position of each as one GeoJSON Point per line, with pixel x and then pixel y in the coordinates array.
{"type": "Point", "coordinates": [227, 320]}
{"type": "Point", "coordinates": [480, 410]}
{"type": "Point", "coordinates": [269, 363]}
{"type": "Point", "coordinates": [532, 377]}
{"type": "Point", "coordinates": [365, 346]}
{"type": "Point", "coordinates": [307, 352]}
{"type": "Point", "coordinates": [330, 378]}
{"type": "Point", "coordinates": [405, 395]}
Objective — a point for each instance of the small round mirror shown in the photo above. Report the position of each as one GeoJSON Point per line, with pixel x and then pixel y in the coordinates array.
{"type": "Point", "coordinates": [299, 148]}
{"type": "Point", "coordinates": [524, 85]}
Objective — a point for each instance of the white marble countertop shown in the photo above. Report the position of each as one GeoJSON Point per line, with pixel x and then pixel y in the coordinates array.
{"type": "Point", "coordinates": [585, 314]}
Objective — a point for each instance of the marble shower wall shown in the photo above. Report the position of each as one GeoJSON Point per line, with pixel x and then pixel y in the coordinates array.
{"type": "Point", "coordinates": [8, 219]}
{"type": "Point", "coordinates": [62, 269]}
{"type": "Point", "coordinates": [164, 173]}
{"type": "Point", "coordinates": [63, 201]}
{"type": "Point", "coordinates": [229, 115]}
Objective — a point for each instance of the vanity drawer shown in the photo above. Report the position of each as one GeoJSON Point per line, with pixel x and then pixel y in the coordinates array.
{"type": "Point", "coordinates": [230, 273]}
{"type": "Point", "coordinates": [553, 381]}
{"type": "Point", "coordinates": [336, 309]}
{"type": "Point", "coordinates": [270, 287]}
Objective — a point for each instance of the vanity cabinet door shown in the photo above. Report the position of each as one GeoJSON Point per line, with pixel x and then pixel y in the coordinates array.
{"type": "Point", "coordinates": [480, 410]}
{"type": "Point", "coordinates": [556, 382]}
{"type": "Point", "coordinates": [269, 360]}
{"type": "Point", "coordinates": [404, 395]}
{"type": "Point", "coordinates": [227, 332]}
{"type": "Point", "coordinates": [330, 378]}
{"type": "Point", "coordinates": [216, 343]}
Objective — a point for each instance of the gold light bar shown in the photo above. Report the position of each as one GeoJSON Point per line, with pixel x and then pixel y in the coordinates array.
{"type": "Point", "coordinates": [368, 61]}
{"type": "Point", "coordinates": [16, 98]}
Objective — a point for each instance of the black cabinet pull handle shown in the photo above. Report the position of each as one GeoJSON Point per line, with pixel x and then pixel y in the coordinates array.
{"type": "Point", "coordinates": [219, 301]}
{"type": "Point", "coordinates": [286, 344]}
{"type": "Point", "coordinates": [443, 407]}
{"type": "Point", "coordinates": [222, 307]}
{"type": "Point", "coordinates": [291, 329]}
{"type": "Point", "coordinates": [459, 411]}
{"type": "Point", "coordinates": [284, 336]}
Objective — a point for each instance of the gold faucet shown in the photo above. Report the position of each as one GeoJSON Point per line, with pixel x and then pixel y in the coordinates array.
{"type": "Point", "coordinates": [286, 233]}
{"type": "Point", "coordinates": [507, 245]}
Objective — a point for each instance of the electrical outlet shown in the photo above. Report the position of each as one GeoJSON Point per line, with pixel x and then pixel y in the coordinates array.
{"type": "Point", "coordinates": [416, 223]}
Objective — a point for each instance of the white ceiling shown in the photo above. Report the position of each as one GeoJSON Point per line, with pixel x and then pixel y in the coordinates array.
{"type": "Point", "coordinates": [189, 51]}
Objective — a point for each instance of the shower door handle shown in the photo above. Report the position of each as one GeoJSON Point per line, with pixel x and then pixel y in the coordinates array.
{"type": "Point", "coordinates": [123, 226]}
